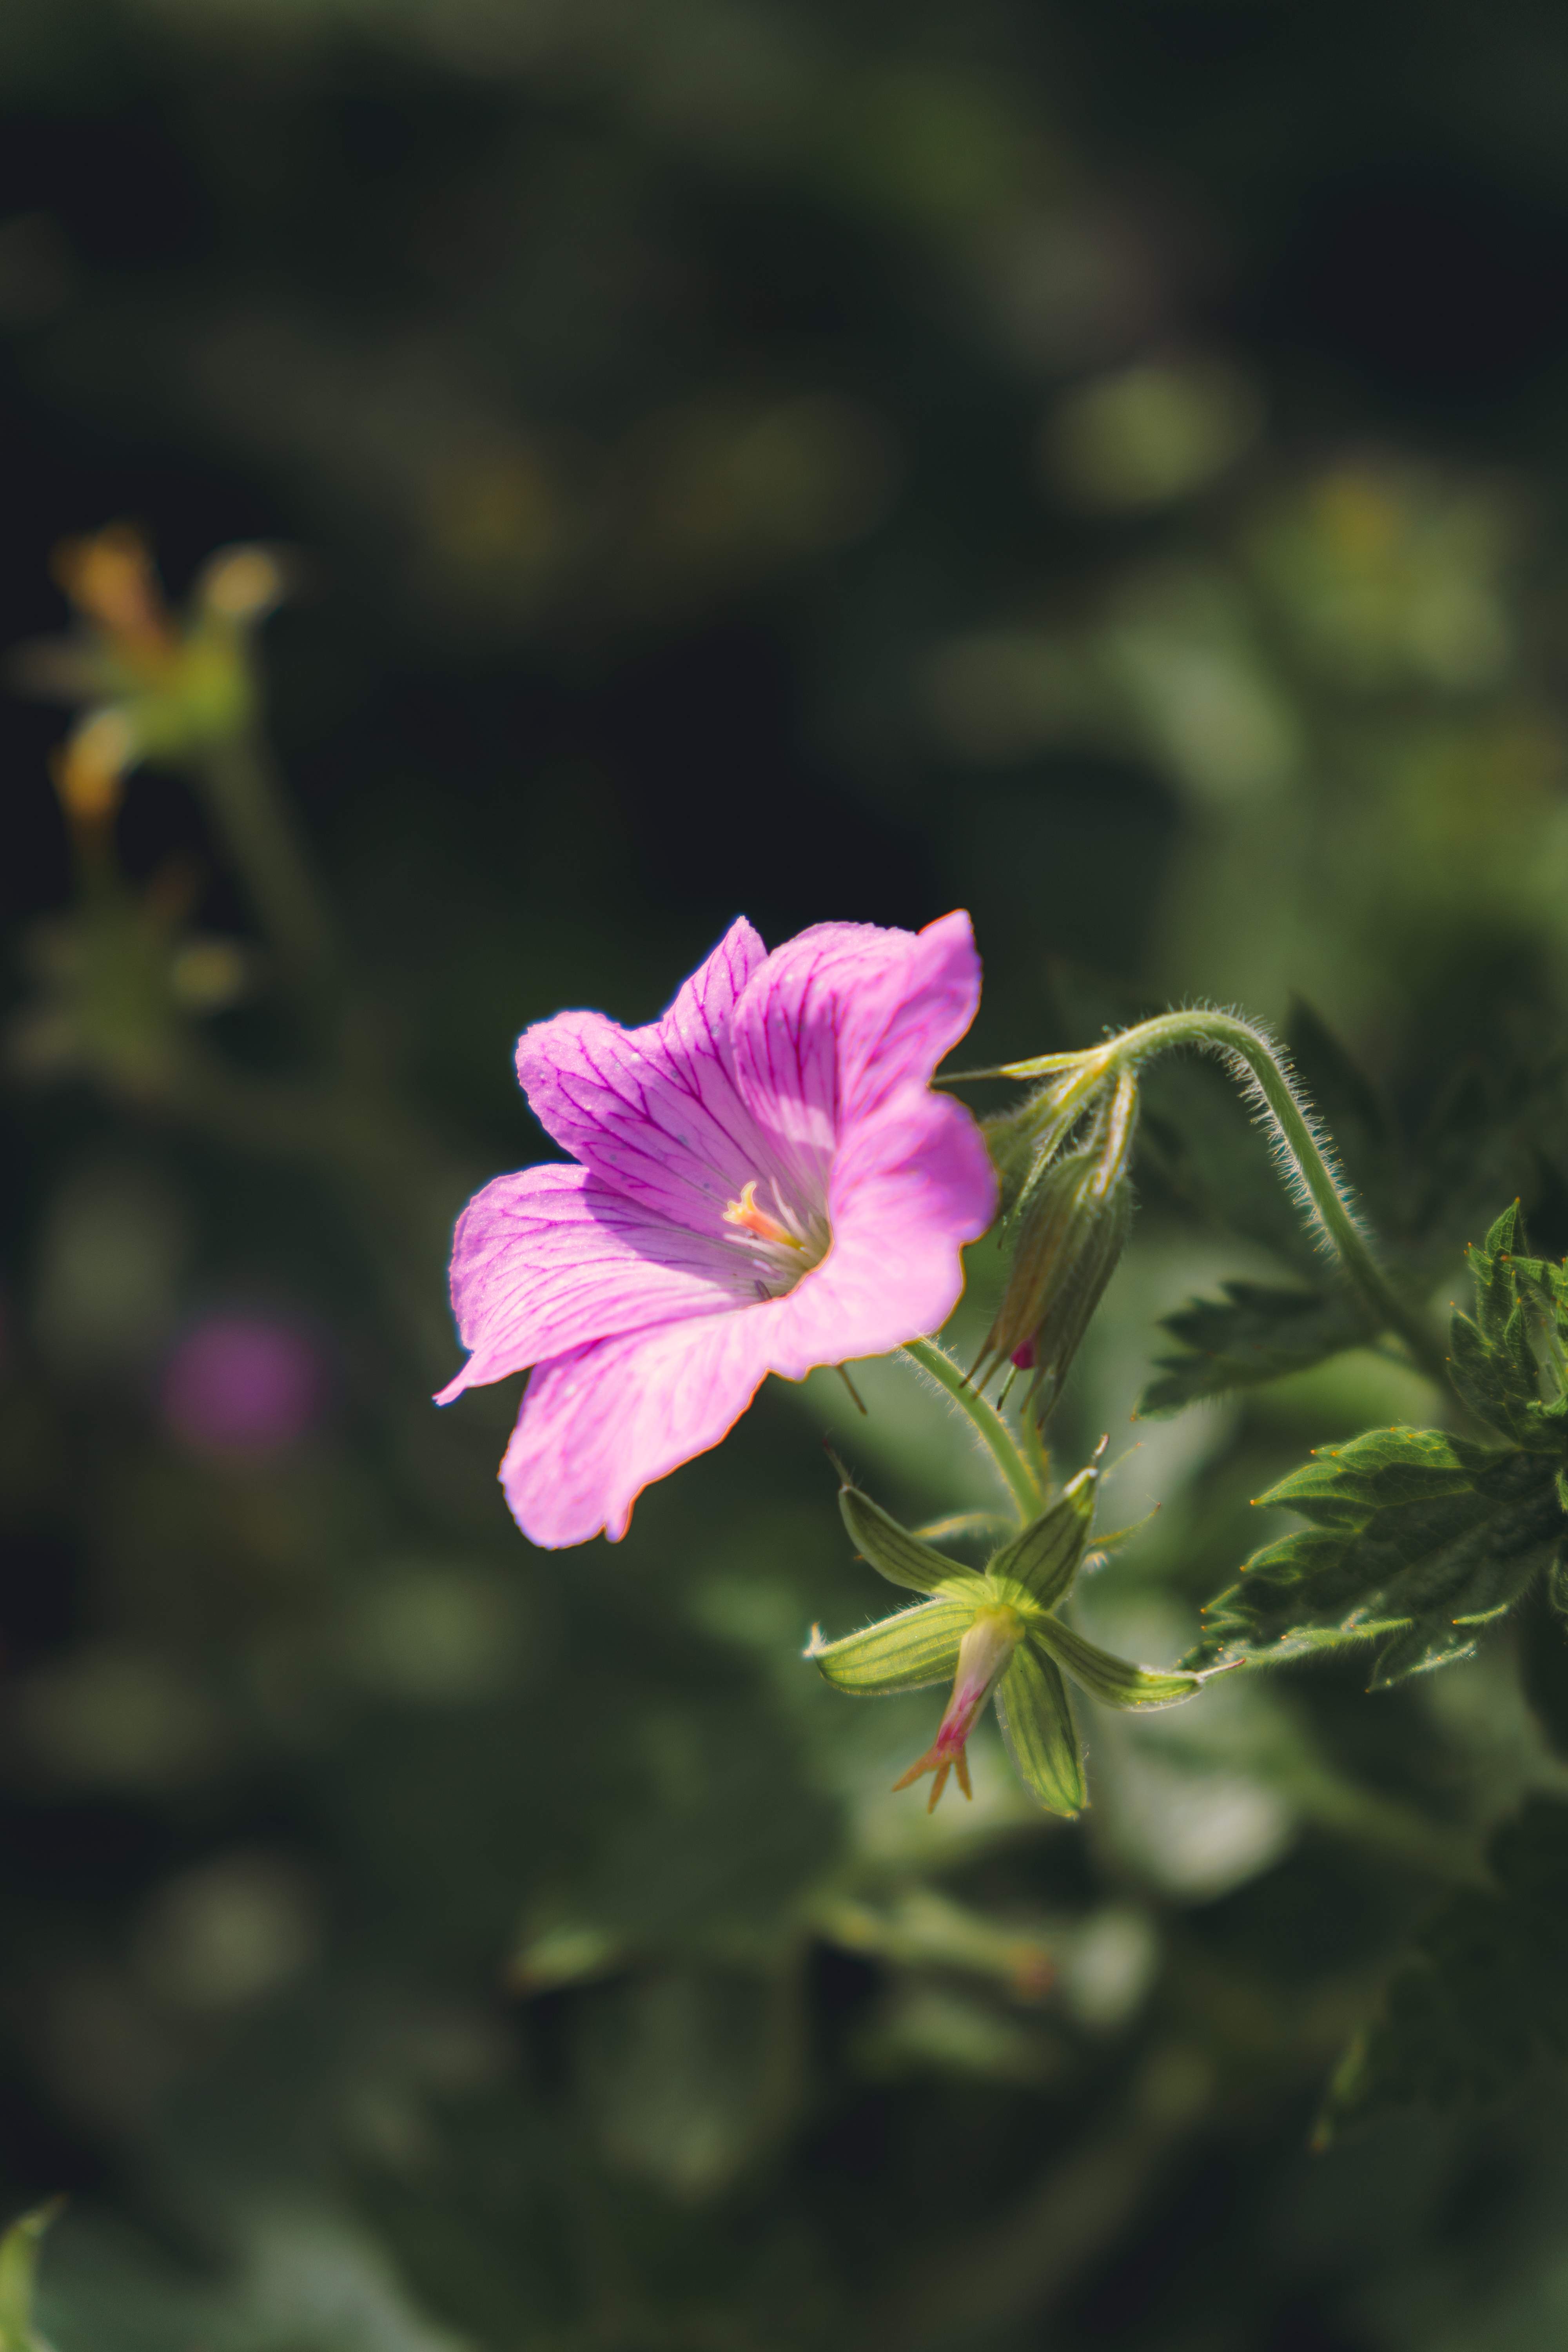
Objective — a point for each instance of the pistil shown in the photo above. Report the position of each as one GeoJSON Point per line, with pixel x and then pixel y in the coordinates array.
{"type": "Point", "coordinates": [982, 1657]}
{"type": "Point", "coordinates": [745, 1213]}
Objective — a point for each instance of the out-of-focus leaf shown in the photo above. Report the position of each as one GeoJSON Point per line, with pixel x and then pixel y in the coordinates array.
{"type": "Point", "coordinates": [921, 1929]}
{"type": "Point", "coordinates": [687, 2074]}
{"type": "Point", "coordinates": [1483, 1996]}
{"type": "Point", "coordinates": [298, 2279]}
{"type": "Point", "coordinates": [1256, 1332]}
{"type": "Point", "coordinates": [1036, 1717]}
{"type": "Point", "coordinates": [1416, 1539]}
{"type": "Point", "coordinates": [19, 2270]}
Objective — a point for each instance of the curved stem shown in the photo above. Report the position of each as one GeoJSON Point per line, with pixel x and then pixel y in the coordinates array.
{"type": "Point", "coordinates": [993, 1431]}
{"type": "Point", "coordinates": [1239, 1042]}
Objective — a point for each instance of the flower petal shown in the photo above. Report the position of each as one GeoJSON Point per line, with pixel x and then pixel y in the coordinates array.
{"type": "Point", "coordinates": [549, 1259]}
{"type": "Point", "coordinates": [654, 1111]}
{"type": "Point", "coordinates": [909, 1187]}
{"type": "Point", "coordinates": [600, 1424]}
{"type": "Point", "coordinates": [844, 1016]}
{"type": "Point", "coordinates": [1038, 1729]}
{"type": "Point", "coordinates": [908, 1652]}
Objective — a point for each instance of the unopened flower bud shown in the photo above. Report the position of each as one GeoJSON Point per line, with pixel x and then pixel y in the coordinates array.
{"type": "Point", "coordinates": [1022, 1142]}
{"type": "Point", "coordinates": [1072, 1222]}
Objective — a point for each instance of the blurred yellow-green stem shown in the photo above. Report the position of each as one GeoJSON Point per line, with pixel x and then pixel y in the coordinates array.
{"type": "Point", "coordinates": [249, 807]}
{"type": "Point", "coordinates": [993, 1431]}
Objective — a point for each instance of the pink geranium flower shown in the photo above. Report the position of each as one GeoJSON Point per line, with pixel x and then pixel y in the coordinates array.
{"type": "Point", "coordinates": [764, 1183]}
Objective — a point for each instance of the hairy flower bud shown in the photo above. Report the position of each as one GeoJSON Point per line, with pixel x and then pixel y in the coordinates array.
{"type": "Point", "coordinates": [1023, 1142]}
{"type": "Point", "coordinates": [1071, 1222]}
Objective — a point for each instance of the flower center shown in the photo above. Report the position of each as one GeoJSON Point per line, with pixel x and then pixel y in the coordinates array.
{"type": "Point", "coordinates": [781, 1247]}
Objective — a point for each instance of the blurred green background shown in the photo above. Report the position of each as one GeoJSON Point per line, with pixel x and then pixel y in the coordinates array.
{"type": "Point", "coordinates": [1102, 465]}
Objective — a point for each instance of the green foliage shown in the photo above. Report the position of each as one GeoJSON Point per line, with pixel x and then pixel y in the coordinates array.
{"type": "Point", "coordinates": [1255, 1332]}
{"type": "Point", "coordinates": [1418, 1539]}
{"type": "Point", "coordinates": [1204, 1150]}
{"type": "Point", "coordinates": [1494, 1360]}
{"type": "Point", "coordinates": [1483, 1996]}
{"type": "Point", "coordinates": [1487, 1132]}
{"type": "Point", "coordinates": [513, 315]}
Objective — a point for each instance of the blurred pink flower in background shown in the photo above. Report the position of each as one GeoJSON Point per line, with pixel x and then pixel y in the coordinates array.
{"type": "Point", "coordinates": [242, 1383]}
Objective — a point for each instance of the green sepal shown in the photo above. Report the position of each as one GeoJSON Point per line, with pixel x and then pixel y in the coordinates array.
{"type": "Point", "coordinates": [1113, 1541]}
{"type": "Point", "coordinates": [1115, 1682]}
{"type": "Point", "coordinates": [1037, 1729]}
{"type": "Point", "coordinates": [902, 1558]}
{"type": "Point", "coordinates": [908, 1652]}
{"type": "Point", "coordinates": [1044, 1560]}
{"type": "Point", "coordinates": [957, 1525]}
{"type": "Point", "coordinates": [18, 2267]}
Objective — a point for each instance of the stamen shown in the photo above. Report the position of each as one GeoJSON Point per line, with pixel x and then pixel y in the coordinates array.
{"type": "Point", "coordinates": [745, 1213]}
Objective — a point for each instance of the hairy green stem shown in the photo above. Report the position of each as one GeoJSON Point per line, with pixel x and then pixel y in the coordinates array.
{"type": "Point", "coordinates": [1239, 1043]}
{"type": "Point", "coordinates": [991, 1430]}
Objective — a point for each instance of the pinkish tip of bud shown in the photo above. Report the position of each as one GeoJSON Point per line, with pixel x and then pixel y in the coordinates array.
{"type": "Point", "coordinates": [1023, 1356]}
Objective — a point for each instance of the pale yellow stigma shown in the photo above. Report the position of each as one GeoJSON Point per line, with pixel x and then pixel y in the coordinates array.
{"type": "Point", "coordinates": [745, 1213]}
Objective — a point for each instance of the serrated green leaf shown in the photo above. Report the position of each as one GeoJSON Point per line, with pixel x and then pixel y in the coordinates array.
{"type": "Point", "coordinates": [1036, 1715]}
{"type": "Point", "coordinates": [1115, 1682]}
{"type": "Point", "coordinates": [1044, 1560]}
{"type": "Point", "coordinates": [1491, 1358]}
{"type": "Point", "coordinates": [1484, 1994]}
{"type": "Point", "coordinates": [1256, 1332]}
{"type": "Point", "coordinates": [1417, 1539]}
{"type": "Point", "coordinates": [908, 1652]}
{"type": "Point", "coordinates": [18, 2269]}
{"type": "Point", "coordinates": [894, 1553]}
